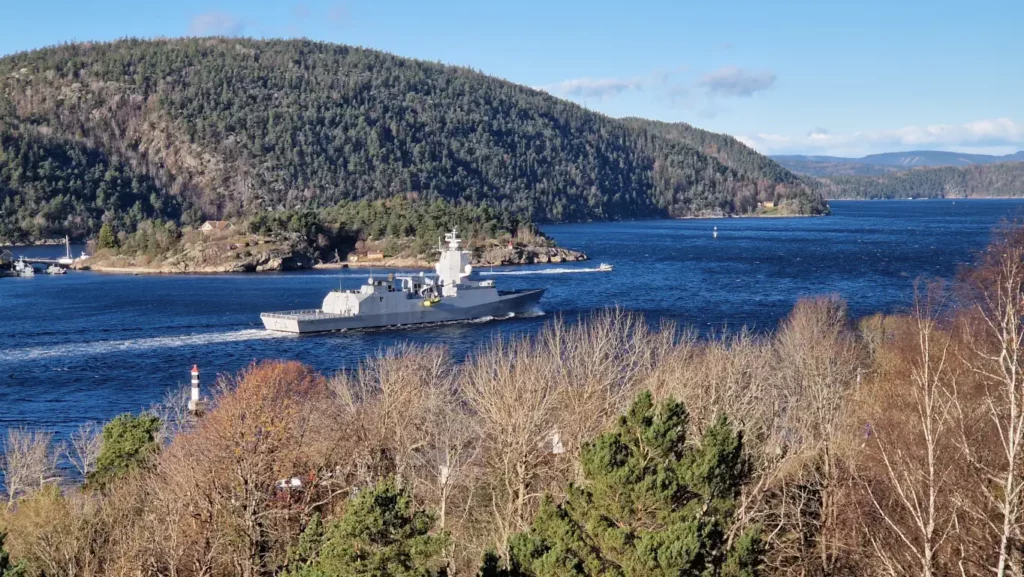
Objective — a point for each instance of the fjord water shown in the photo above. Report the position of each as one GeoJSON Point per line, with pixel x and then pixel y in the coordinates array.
{"type": "Point", "coordinates": [88, 346]}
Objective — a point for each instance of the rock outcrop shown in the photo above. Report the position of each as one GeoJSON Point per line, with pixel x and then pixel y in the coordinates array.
{"type": "Point", "coordinates": [216, 255]}
{"type": "Point", "coordinates": [523, 254]}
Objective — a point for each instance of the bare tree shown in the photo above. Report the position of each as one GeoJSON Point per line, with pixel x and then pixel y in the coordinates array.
{"type": "Point", "coordinates": [84, 448]}
{"type": "Point", "coordinates": [598, 366]}
{"type": "Point", "coordinates": [996, 340]}
{"type": "Point", "coordinates": [29, 461]}
{"type": "Point", "coordinates": [444, 473]}
{"type": "Point", "coordinates": [818, 364]}
{"type": "Point", "coordinates": [174, 414]}
{"type": "Point", "coordinates": [515, 400]}
{"type": "Point", "coordinates": [912, 445]}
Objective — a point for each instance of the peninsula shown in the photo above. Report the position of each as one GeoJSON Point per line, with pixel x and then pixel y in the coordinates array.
{"type": "Point", "coordinates": [396, 233]}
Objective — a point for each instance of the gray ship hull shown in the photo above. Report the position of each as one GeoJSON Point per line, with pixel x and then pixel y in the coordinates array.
{"type": "Point", "coordinates": [317, 321]}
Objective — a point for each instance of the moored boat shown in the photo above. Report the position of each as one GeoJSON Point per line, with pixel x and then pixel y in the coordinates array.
{"type": "Point", "coordinates": [24, 269]}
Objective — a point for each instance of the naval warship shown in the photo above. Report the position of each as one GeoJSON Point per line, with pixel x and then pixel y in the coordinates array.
{"type": "Point", "coordinates": [408, 300]}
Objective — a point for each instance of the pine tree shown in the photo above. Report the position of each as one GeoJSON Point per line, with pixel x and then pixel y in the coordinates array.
{"type": "Point", "coordinates": [6, 568]}
{"type": "Point", "coordinates": [381, 534]}
{"type": "Point", "coordinates": [107, 239]}
{"type": "Point", "coordinates": [129, 442]}
{"type": "Point", "coordinates": [303, 557]}
{"type": "Point", "coordinates": [650, 505]}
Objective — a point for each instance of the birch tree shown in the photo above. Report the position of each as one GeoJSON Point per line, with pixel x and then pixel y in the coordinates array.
{"type": "Point", "coordinates": [912, 446]}
{"type": "Point", "coordinates": [995, 336]}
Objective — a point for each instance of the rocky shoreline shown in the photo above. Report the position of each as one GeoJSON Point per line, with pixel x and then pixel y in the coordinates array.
{"type": "Point", "coordinates": [233, 256]}
{"type": "Point", "coordinates": [265, 256]}
{"type": "Point", "coordinates": [525, 254]}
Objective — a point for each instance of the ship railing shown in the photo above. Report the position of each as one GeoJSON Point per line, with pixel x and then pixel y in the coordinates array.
{"type": "Point", "coordinates": [304, 314]}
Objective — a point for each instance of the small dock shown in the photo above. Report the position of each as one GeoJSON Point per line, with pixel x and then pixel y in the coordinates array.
{"type": "Point", "coordinates": [46, 261]}
{"type": "Point", "coordinates": [7, 260]}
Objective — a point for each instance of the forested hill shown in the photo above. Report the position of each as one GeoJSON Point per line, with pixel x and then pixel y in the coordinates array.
{"type": "Point", "coordinates": [987, 180]}
{"type": "Point", "coordinates": [217, 127]}
{"type": "Point", "coordinates": [729, 151]}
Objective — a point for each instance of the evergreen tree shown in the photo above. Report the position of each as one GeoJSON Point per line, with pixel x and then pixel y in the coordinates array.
{"type": "Point", "coordinates": [650, 505]}
{"type": "Point", "coordinates": [6, 568]}
{"type": "Point", "coordinates": [381, 534]}
{"type": "Point", "coordinates": [303, 557]}
{"type": "Point", "coordinates": [107, 239]}
{"type": "Point", "coordinates": [129, 442]}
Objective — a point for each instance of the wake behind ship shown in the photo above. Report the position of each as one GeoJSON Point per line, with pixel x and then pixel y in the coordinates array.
{"type": "Point", "coordinates": [410, 300]}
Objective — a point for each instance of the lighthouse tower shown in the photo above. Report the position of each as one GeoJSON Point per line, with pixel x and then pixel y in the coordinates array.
{"type": "Point", "coordinates": [195, 404]}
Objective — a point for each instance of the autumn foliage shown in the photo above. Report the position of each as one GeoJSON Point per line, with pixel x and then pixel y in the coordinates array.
{"type": "Point", "coordinates": [890, 445]}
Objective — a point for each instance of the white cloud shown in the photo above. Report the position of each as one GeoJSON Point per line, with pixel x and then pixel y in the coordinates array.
{"type": "Point", "coordinates": [998, 133]}
{"type": "Point", "coordinates": [594, 87]}
{"type": "Point", "coordinates": [734, 81]}
{"type": "Point", "coordinates": [216, 24]}
{"type": "Point", "coordinates": [690, 92]}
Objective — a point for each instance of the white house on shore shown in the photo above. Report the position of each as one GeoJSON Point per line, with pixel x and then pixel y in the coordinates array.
{"type": "Point", "coordinates": [215, 226]}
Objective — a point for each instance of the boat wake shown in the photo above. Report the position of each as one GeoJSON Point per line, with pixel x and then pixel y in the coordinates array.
{"type": "Point", "coordinates": [104, 347]}
{"type": "Point", "coordinates": [561, 270]}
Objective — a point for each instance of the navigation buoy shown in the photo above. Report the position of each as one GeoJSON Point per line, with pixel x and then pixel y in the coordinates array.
{"type": "Point", "coordinates": [714, 232]}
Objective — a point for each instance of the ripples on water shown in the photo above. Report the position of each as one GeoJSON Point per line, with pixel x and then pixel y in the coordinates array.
{"type": "Point", "coordinates": [88, 346]}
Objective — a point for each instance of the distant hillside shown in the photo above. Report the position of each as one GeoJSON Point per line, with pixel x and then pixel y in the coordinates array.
{"type": "Point", "coordinates": [878, 164]}
{"type": "Point", "coordinates": [731, 152]}
{"type": "Point", "coordinates": [197, 128]}
{"type": "Point", "coordinates": [988, 180]}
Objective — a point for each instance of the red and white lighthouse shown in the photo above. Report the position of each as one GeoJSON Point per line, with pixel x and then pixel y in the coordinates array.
{"type": "Point", "coordinates": [194, 405]}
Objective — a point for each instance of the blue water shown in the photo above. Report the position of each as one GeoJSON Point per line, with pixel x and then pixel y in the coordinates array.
{"type": "Point", "coordinates": [88, 346]}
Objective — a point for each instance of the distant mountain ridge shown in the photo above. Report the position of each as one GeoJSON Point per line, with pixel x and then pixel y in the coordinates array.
{"type": "Point", "coordinates": [878, 164]}
{"type": "Point", "coordinates": [1003, 179]}
{"type": "Point", "coordinates": [196, 128]}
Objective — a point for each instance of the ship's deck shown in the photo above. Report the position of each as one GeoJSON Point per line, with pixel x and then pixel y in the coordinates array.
{"type": "Point", "coordinates": [303, 315]}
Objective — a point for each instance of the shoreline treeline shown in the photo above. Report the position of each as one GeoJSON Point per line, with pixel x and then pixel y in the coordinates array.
{"type": "Point", "coordinates": [892, 446]}
{"type": "Point", "coordinates": [400, 225]}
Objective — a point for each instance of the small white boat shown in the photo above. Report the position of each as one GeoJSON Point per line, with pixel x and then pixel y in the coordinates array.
{"type": "Point", "coordinates": [24, 269]}
{"type": "Point", "coordinates": [55, 269]}
{"type": "Point", "coordinates": [65, 260]}
{"type": "Point", "coordinates": [604, 267]}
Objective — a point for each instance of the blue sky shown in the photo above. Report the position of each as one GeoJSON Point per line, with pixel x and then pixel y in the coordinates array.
{"type": "Point", "coordinates": [819, 77]}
